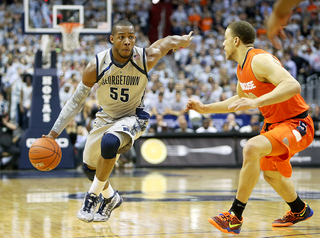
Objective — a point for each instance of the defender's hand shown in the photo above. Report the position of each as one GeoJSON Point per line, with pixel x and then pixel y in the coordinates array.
{"type": "Point", "coordinates": [196, 105]}
{"type": "Point", "coordinates": [275, 30]}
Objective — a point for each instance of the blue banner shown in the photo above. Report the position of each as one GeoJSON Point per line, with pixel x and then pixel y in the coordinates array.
{"type": "Point", "coordinates": [45, 108]}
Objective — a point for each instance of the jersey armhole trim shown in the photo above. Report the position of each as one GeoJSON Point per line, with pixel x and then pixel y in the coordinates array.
{"type": "Point", "coordinates": [138, 68]}
{"type": "Point", "coordinates": [144, 62]}
{"type": "Point", "coordinates": [97, 69]}
{"type": "Point", "coordinates": [105, 70]}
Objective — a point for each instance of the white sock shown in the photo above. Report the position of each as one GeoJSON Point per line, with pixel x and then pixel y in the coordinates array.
{"type": "Point", "coordinates": [97, 186]}
{"type": "Point", "coordinates": [107, 193]}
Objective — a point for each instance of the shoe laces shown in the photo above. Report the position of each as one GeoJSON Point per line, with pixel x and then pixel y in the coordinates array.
{"type": "Point", "coordinates": [89, 203]}
{"type": "Point", "coordinates": [288, 214]}
{"type": "Point", "coordinates": [225, 216]}
{"type": "Point", "coordinates": [106, 208]}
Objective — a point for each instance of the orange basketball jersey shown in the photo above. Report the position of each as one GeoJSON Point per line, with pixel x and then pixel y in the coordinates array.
{"type": "Point", "coordinates": [253, 88]}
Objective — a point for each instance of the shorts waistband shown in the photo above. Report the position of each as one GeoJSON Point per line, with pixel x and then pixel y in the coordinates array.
{"type": "Point", "coordinates": [300, 116]}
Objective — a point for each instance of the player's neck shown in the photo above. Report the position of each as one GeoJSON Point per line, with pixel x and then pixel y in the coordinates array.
{"type": "Point", "coordinates": [242, 54]}
{"type": "Point", "coordinates": [116, 58]}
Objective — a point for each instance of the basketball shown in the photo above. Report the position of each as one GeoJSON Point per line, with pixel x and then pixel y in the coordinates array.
{"type": "Point", "coordinates": [45, 154]}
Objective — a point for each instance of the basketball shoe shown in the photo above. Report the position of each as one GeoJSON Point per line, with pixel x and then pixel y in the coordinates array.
{"type": "Point", "coordinates": [291, 218]}
{"type": "Point", "coordinates": [227, 222]}
{"type": "Point", "coordinates": [107, 205]}
{"type": "Point", "coordinates": [86, 212]}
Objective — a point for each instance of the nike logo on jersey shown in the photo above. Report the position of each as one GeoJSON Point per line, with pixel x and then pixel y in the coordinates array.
{"type": "Point", "coordinates": [247, 86]}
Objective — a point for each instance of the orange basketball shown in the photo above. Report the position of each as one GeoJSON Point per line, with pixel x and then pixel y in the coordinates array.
{"type": "Point", "coordinates": [45, 154]}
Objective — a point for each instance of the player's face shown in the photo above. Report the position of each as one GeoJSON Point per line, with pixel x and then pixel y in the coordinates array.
{"type": "Point", "coordinates": [123, 42]}
{"type": "Point", "coordinates": [228, 45]}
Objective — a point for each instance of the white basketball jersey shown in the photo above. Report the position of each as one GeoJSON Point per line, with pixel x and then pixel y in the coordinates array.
{"type": "Point", "coordinates": [121, 87]}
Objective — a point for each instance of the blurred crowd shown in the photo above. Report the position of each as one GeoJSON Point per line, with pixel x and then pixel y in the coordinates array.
{"type": "Point", "coordinates": [200, 71]}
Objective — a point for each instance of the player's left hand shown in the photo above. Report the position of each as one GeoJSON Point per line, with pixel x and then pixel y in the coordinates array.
{"type": "Point", "coordinates": [275, 30]}
{"type": "Point", "coordinates": [186, 42]}
{"type": "Point", "coordinates": [244, 104]}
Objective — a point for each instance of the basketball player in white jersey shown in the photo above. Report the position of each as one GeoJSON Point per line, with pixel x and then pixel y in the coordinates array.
{"type": "Point", "coordinates": [121, 73]}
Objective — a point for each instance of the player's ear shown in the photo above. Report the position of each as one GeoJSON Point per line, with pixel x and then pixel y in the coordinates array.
{"type": "Point", "coordinates": [111, 38]}
{"type": "Point", "coordinates": [236, 40]}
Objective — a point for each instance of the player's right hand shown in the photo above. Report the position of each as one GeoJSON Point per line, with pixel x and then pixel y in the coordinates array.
{"type": "Point", "coordinates": [52, 135]}
{"type": "Point", "coordinates": [196, 105]}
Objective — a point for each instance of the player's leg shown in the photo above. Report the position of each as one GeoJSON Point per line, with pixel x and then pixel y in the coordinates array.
{"type": "Point", "coordinates": [286, 140]}
{"type": "Point", "coordinates": [126, 130]}
{"type": "Point", "coordinates": [255, 148]}
{"type": "Point", "coordinates": [90, 201]}
{"type": "Point", "coordinates": [299, 210]}
{"type": "Point", "coordinates": [110, 198]}
{"type": "Point", "coordinates": [91, 156]}
{"type": "Point", "coordinates": [107, 156]}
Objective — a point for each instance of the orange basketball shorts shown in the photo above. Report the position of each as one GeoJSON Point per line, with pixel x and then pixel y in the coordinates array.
{"type": "Point", "coordinates": [300, 134]}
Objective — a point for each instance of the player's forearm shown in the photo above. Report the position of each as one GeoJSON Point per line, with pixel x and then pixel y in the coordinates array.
{"type": "Point", "coordinates": [283, 92]}
{"type": "Point", "coordinates": [71, 108]}
{"type": "Point", "coordinates": [169, 43]}
{"type": "Point", "coordinates": [283, 7]}
{"type": "Point", "coordinates": [220, 107]}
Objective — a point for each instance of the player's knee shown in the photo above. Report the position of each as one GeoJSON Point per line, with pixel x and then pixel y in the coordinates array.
{"type": "Point", "coordinates": [253, 150]}
{"type": "Point", "coordinates": [109, 146]}
{"type": "Point", "coordinates": [89, 172]}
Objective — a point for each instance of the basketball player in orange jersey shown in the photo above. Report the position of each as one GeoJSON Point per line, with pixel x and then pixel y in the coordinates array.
{"type": "Point", "coordinates": [279, 17]}
{"type": "Point", "coordinates": [288, 129]}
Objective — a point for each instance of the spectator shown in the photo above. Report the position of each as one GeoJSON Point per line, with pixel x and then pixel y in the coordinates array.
{"type": "Point", "coordinates": [177, 105]}
{"type": "Point", "coordinates": [206, 22]}
{"type": "Point", "coordinates": [65, 93]}
{"type": "Point", "coordinates": [231, 124]}
{"type": "Point", "coordinates": [4, 105]}
{"type": "Point", "coordinates": [207, 127]}
{"type": "Point", "coordinates": [160, 127]}
{"type": "Point", "coordinates": [170, 92]}
{"type": "Point", "coordinates": [289, 65]}
{"type": "Point", "coordinates": [254, 125]}
{"type": "Point", "coordinates": [179, 15]}
{"type": "Point", "coordinates": [7, 141]}
{"type": "Point", "coordinates": [25, 101]}
{"type": "Point", "coordinates": [91, 105]}
{"type": "Point", "coordinates": [316, 117]}
{"type": "Point", "coordinates": [302, 66]}
{"type": "Point", "coordinates": [160, 106]}
{"type": "Point", "coordinates": [79, 144]}
{"type": "Point", "coordinates": [183, 127]}
{"type": "Point", "coordinates": [90, 119]}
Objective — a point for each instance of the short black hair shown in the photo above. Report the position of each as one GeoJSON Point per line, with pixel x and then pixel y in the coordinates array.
{"type": "Point", "coordinates": [120, 23]}
{"type": "Point", "coordinates": [244, 31]}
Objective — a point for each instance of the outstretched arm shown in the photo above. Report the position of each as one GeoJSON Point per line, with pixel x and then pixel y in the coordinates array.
{"type": "Point", "coordinates": [75, 103]}
{"type": "Point", "coordinates": [217, 107]}
{"type": "Point", "coordinates": [279, 18]}
{"type": "Point", "coordinates": [161, 47]}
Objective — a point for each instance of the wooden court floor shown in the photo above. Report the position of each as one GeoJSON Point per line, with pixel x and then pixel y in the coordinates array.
{"type": "Point", "coordinates": [162, 203]}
